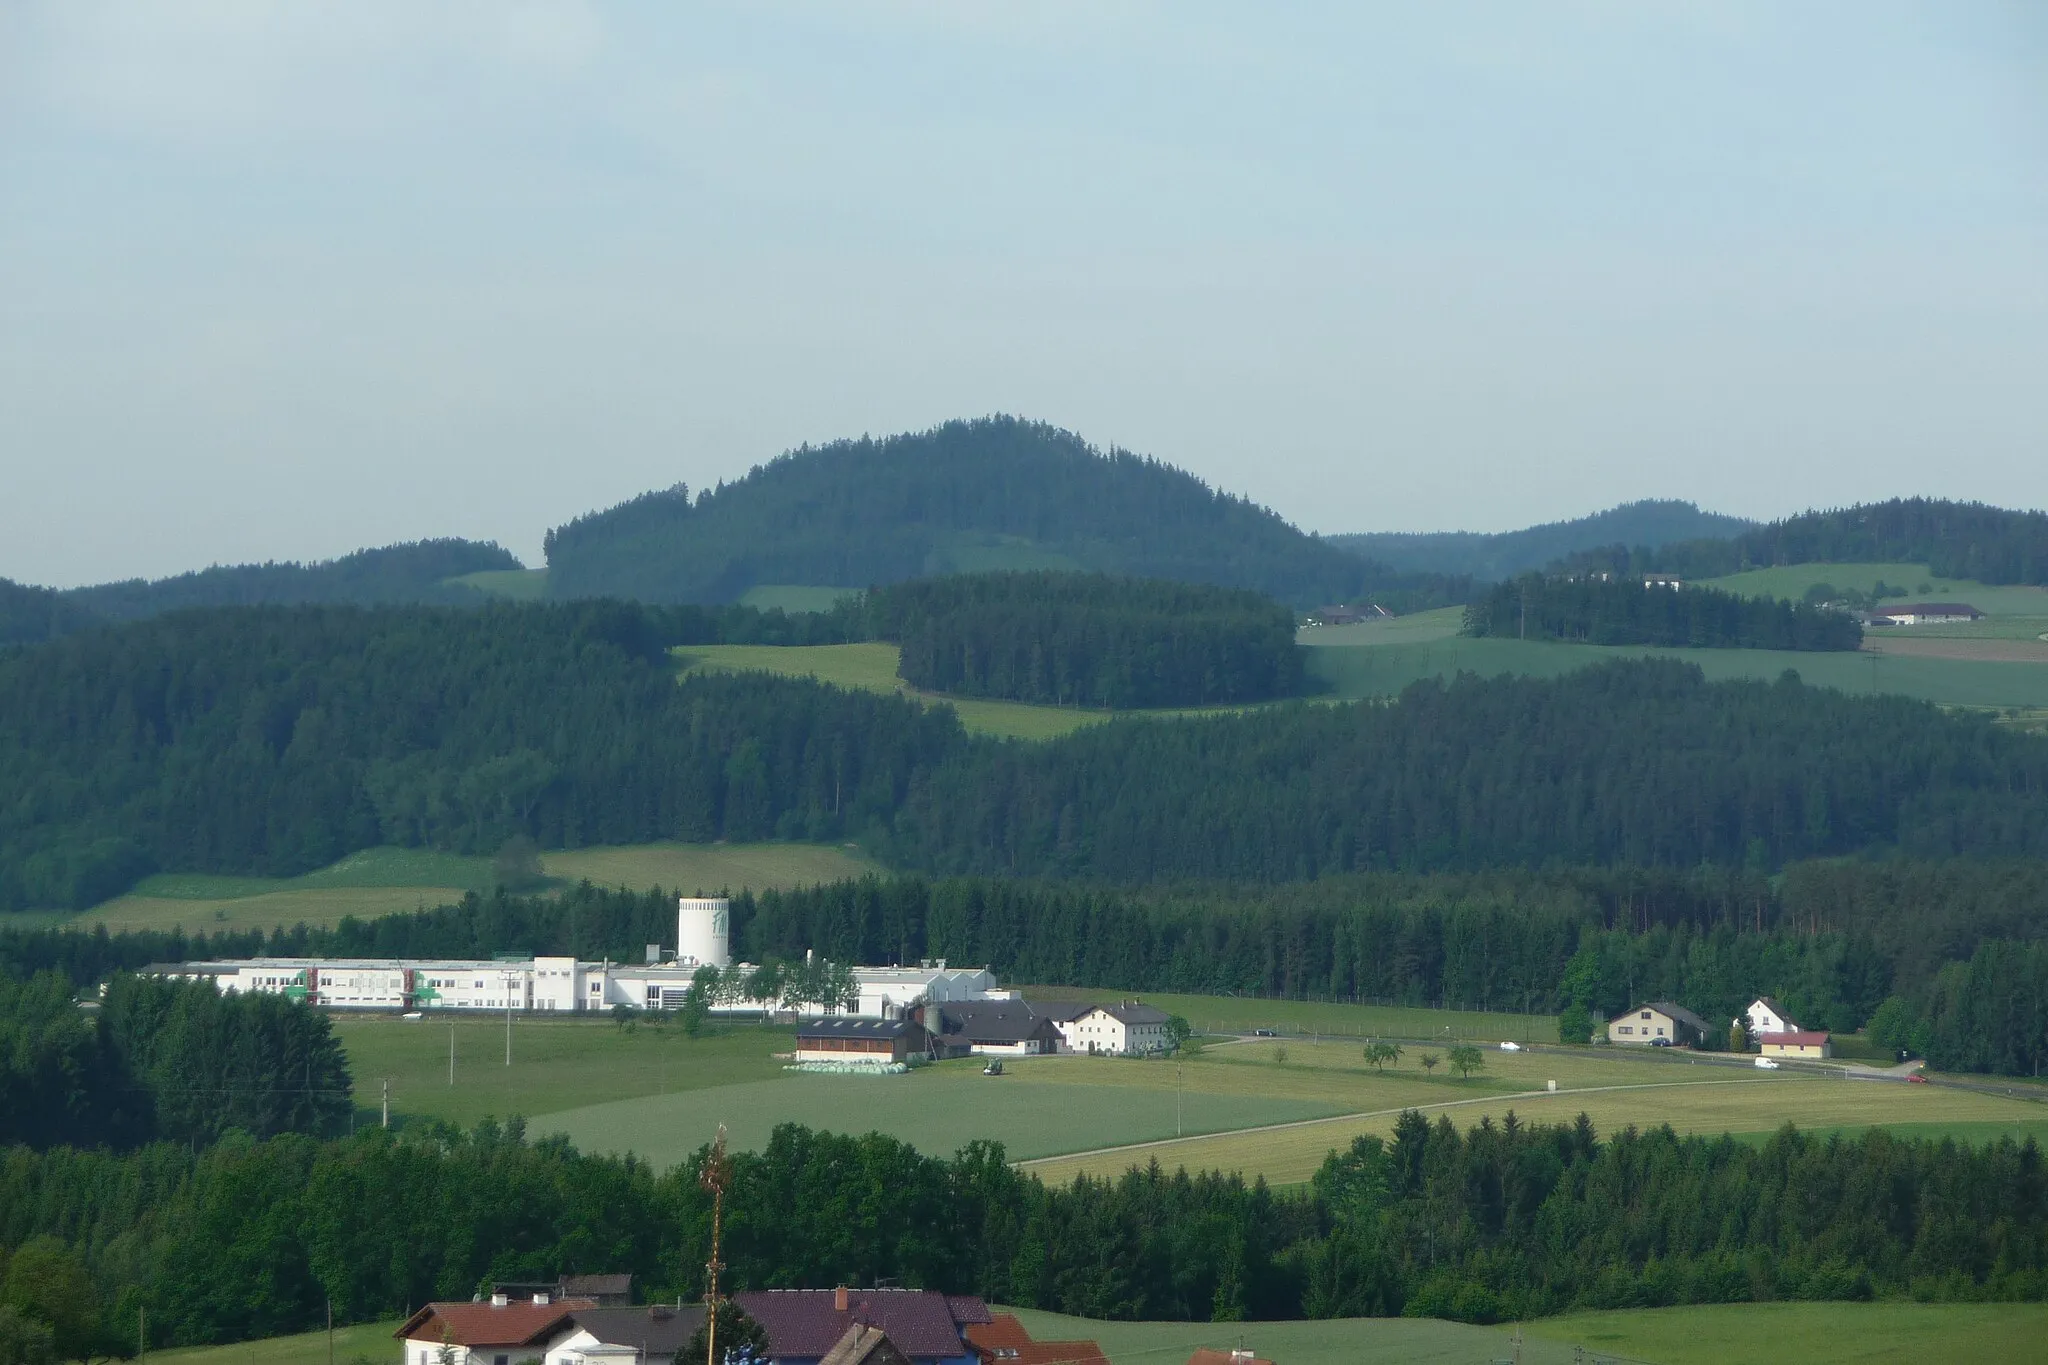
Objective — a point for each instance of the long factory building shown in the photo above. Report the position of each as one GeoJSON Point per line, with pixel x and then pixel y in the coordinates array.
{"type": "Point", "coordinates": [567, 984]}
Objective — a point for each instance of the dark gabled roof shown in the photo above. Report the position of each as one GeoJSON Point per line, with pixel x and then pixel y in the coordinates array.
{"type": "Point", "coordinates": [657, 1329]}
{"type": "Point", "coordinates": [803, 1322]}
{"type": "Point", "coordinates": [853, 1026]}
{"type": "Point", "coordinates": [990, 1021]}
{"type": "Point", "coordinates": [1679, 1013]}
{"type": "Point", "coordinates": [597, 1286]}
{"type": "Point", "coordinates": [1136, 1014]}
{"type": "Point", "coordinates": [1061, 1011]}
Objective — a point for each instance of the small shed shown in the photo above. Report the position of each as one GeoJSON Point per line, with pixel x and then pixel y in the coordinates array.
{"type": "Point", "coordinates": [1811, 1046]}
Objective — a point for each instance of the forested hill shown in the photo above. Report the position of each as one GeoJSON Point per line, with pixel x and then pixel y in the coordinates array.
{"type": "Point", "coordinates": [275, 740]}
{"type": "Point", "coordinates": [1954, 539]}
{"type": "Point", "coordinates": [998, 493]}
{"type": "Point", "coordinates": [416, 571]}
{"type": "Point", "coordinates": [1489, 557]}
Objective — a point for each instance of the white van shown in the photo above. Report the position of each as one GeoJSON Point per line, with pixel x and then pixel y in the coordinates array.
{"type": "Point", "coordinates": [1766, 1064]}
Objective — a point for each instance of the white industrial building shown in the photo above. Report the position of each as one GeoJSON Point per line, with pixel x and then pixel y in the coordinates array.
{"type": "Point", "coordinates": [567, 985]}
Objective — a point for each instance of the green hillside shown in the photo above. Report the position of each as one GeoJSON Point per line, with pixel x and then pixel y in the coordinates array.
{"type": "Point", "coordinates": [1489, 557]}
{"type": "Point", "coordinates": [997, 493]}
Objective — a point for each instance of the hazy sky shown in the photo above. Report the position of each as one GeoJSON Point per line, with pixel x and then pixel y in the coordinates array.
{"type": "Point", "coordinates": [282, 280]}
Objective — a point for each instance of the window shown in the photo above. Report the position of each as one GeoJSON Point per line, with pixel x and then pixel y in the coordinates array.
{"type": "Point", "coordinates": [1646, 1014]}
{"type": "Point", "coordinates": [1625, 1028]}
{"type": "Point", "coordinates": [1660, 1030]}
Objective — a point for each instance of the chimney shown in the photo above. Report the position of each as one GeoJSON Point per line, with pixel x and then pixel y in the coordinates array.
{"type": "Point", "coordinates": [839, 1299]}
{"type": "Point", "coordinates": [498, 1300]}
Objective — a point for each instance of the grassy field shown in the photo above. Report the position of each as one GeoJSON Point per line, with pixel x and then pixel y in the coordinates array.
{"type": "Point", "coordinates": [1369, 670]}
{"type": "Point", "coordinates": [368, 1341]}
{"type": "Point", "coordinates": [1345, 1341]}
{"type": "Point", "coordinates": [383, 881]}
{"type": "Point", "coordinates": [518, 585]}
{"type": "Point", "coordinates": [793, 597]}
{"type": "Point", "coordinates": [1791, 582]}
{"type": "Point", "coordinates": [872, 667]}
{"type": "Point", "coordinates": [1242, 1014]}
{"type": "Point", "coordinates": [1809, 1333]}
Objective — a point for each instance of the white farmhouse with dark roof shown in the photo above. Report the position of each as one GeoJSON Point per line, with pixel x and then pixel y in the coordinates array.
{"type": "Point", "coordinates": [1766, 1015]}
{"type": "Point", "coordinates": [1125, 1029]}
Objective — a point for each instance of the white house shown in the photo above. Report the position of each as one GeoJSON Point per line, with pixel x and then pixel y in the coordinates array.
{"type": "Point", "coordinates": [1124, 1029]}
{"type": "Point", "coordinates": [623, 1336]}
{"type": "Point", "coordinates": [1656, 1024]}
{"type": "Point", "coordinates": [1766, 1015]}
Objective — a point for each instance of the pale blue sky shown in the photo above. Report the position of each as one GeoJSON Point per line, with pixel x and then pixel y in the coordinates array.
{"type": "Point", "coordinates": [282, 280]}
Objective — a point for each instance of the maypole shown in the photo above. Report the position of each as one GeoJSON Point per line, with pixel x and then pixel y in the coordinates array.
{"type": "Point", "coordinates": [717, 1172]}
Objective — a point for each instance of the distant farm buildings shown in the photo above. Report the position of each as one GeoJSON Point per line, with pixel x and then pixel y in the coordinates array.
{"type": "Point", "coordinates": [1922, 614]}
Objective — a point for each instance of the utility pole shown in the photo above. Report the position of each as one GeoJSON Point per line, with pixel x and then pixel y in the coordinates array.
{"type": "Point", "coordinates": [387, 1101]}
{"type": "Point", "coordinates": [141, 1333]}
{"type": "Point", "coordinates": [330, 1329]}
{"type": "Point", "coordinates": [717, 1174]}
{"type": "Point", "coordinates": [451, 1051]}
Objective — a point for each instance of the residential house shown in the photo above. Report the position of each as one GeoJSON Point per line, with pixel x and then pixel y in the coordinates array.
{"type": "Point", "coordinates": [849, 1038]}
{"type": "Point", "coordinates": [1064, 1015]}
{"type": "Point", "coordinates": [653, 1335]}
{"type": "Point", "coordinates": [1810, 1046]}
{"type": "Point", "coordinates": [1125, 1029]}
{"type": "Point", "coordinates": [1766, 1015]}
{"type": "Point", "coordinates": [1003, 1341]}
{"type": "Point", "coordinates": [1659, 1023]}
{"type": "Point", "coordinates": [1001, 1028]}
{"type": "Point", "coordinates": [924, 1326]}
{"type": "Point", "coordinates": [497, 1331]}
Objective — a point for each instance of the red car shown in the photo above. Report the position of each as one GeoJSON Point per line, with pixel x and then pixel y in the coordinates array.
{"type": "Point", "coordinates": [1916, 1079]}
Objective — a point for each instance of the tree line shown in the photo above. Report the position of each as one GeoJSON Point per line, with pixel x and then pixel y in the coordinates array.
{"type": "Point", "coordinates": [1069, 639]}
{"type": "Point", "coordinates": [1934, 956]}
{"type": "Point", "coordinates": [996, 492]}
{"type": "Point", "coordinates": [275, 740]}
{"type": "Point", "coordinates": [1604, 610]}
{"type": "Point", "coordinates": [160, 1059]}
{"type": "Point", "coordinates": [1954, 540]}
{"type": "Point", "coordinates": [250, 1238]}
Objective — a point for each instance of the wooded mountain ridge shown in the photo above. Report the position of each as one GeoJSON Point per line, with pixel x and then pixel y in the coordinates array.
{"type": "Point", "coordinates": [1488, 557]}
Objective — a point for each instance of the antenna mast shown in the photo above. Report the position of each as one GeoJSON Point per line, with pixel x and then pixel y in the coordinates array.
{"type": "Point", "coordinates": [717, 1173]}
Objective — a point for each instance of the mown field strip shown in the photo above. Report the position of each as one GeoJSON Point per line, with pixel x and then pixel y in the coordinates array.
{"type": "Point", "coordinates": [1114, 1152]}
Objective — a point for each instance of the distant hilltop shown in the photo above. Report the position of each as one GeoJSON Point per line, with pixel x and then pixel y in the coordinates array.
{"type": "Point", "coordinates": [1493, 557]}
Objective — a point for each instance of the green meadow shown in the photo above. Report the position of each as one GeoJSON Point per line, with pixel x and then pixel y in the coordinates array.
{"type": "Point", "coordinates": [517, 585]}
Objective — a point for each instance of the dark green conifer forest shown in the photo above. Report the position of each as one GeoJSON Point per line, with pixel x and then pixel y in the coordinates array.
{"type": "Point", "coordinates": [1626, 611]}
{"type": "Point", "coordinates": [1069, 639]}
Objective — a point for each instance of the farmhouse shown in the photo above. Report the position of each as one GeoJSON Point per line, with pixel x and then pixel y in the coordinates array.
{"type": "Point", "coordinates": [1657, 1024]}
{"type": "Point", "coordinates": [606, 1291]}
{"type": "Point", "coordinates": [1124, 1029]}
{"type": "Point", "coordinates": [1001, 1028]}
{"type": "Point", "coordinates": [490, 1333]}
{"type": "Point", "coordinates": [1923, 614]}
{"type": "Point", "coordinates": [1064, 1015]}
{"type": "Point", "coordinates": [1811, 1046]}
{"type": "Point", "coordinates": [1766, 1015]}
{"type": "Point", "coordinates": [923, 1326]}
{"type": "Point", "coordinates": [1003, 1341]}
{"type": "Point", "coordinates": [846, 1038]}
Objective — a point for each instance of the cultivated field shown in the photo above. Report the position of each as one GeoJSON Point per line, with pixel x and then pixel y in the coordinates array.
{"type": "Point", "coordinates": [1264, 1107]}
{"type": "Point", "coordinates": [1792, 581]}
{"type": "Point", "coordinates": [1344, 1341]}
{"type": "Point", "coordinates": [872, 667]}
{"type": "Point", "coordinates": [383, 881]}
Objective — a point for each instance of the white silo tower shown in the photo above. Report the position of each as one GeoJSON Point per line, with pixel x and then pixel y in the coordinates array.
{"type": "Point", "coordinates": [704, 931]}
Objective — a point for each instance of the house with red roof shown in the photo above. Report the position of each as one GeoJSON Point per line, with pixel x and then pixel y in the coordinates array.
{"type": "Point", "coordinates": [500, 1330]}
{"type": "Point", "coordinates": [1003, 1340]}
{"type": "Point", "coordinates": [1811, 1047]}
